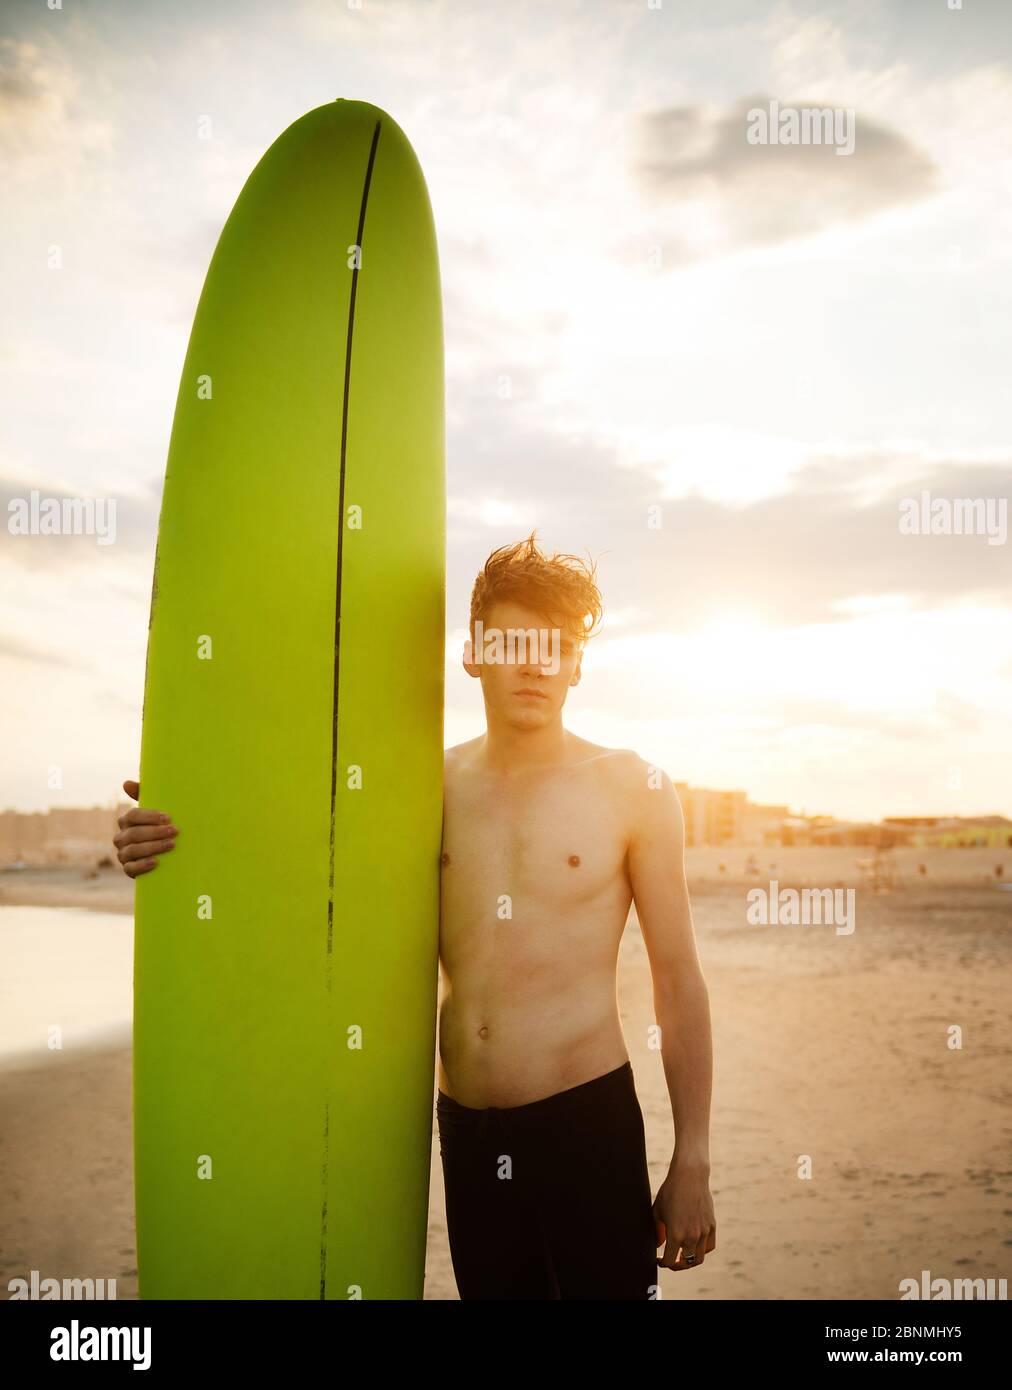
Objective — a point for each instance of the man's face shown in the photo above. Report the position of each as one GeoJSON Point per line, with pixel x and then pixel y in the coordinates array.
{"type": "Point", "coordinates": [520, 651]}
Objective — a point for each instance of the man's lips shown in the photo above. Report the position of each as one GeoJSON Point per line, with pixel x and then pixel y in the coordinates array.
{"type": "Point", "coordinates": [532, 694]}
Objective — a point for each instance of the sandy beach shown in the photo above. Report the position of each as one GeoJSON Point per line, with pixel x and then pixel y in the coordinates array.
{"type": "Point", "coordinates": [832, 1046]}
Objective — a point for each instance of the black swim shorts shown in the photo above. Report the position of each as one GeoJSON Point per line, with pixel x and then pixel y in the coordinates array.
{"type": "Point", "coordinates": [550, 1199]}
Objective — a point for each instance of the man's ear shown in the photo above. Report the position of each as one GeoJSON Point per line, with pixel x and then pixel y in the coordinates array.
{"type": "Point", "coordinates": [467, 660]}
{"type": "Point", "coordinates": [575, 678]}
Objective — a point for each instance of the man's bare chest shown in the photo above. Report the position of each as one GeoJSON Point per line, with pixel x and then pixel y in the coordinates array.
{"type": "Point", "coordinates": [563, 840]}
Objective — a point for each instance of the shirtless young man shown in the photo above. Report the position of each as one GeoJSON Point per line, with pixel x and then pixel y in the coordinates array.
{"type": "Point", "coordinates": [547, 840]}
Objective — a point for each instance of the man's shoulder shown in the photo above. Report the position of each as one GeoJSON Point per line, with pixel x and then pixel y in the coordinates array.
{"type": "Point", "coordinates": [623, 776]}
{"type": "Point", "coordinates": [461, 747]}
{"type": "Point", "coordinates": [459, 753]}
{"type": "Point", "coordinates": [628, 765]}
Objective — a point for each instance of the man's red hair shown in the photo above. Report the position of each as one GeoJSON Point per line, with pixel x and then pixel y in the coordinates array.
{"type": "Point", "coordinates": [559, 586]}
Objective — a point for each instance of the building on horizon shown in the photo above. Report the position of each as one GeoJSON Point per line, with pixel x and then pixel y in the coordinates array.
{"type": "Point", "coordinates": [728, 818]}
{"type": "Point", "coordinates": [61, 835]}
{"type": "Point", "coordinates": [953, 832]}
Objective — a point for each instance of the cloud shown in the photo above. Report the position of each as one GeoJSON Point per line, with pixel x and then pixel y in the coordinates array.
{"type": "Point", "coordinates": [741, 195]}
{"type": "Point", "coordinates": [827, 536]}
{"type": "Point", "coordinates": [136, 526]}
{"type": "Point", "coordinates": [794, 556]}
{"type": "Point", "coordinates": [43, 131]}
{"type": "Point", "coordinates": [13, 648]}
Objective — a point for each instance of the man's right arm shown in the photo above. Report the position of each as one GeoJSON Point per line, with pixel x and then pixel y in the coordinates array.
{"type": "Point", "coordinates": [143, 834]}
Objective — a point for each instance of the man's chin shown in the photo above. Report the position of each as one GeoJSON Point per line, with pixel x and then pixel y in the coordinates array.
{"type": "Point", "coordinates": [527, 716]}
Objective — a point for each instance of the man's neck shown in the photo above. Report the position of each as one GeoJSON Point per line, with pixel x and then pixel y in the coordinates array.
{"type": "Point", "coordinates": [507, 750]}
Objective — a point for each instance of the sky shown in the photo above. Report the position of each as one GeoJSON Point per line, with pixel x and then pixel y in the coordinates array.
{"type": "Point", "coordinates": [714, 368]}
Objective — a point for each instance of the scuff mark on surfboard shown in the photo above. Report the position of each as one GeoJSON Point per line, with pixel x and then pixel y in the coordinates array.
{"type": "Point", "coordinates": [154, 591]}
{"type": "Point", "coordinates": [323, 1220]}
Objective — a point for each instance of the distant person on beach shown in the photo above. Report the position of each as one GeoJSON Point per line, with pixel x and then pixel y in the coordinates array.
{"type": "Point", "coordinates": [548, 839]}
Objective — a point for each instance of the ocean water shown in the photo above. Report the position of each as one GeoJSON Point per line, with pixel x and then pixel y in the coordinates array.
{"type": "Point", "coordinates": [65, 968]}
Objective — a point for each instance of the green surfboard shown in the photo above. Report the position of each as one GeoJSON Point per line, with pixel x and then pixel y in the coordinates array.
{"type": "Point", "coordinates": [285, 969]}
